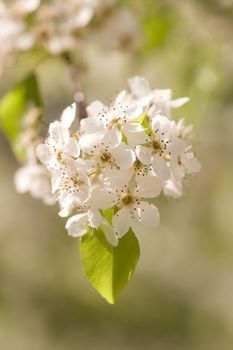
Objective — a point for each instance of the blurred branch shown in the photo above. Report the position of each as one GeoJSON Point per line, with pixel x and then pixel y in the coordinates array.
{"type": "Point", "coordinates": [78, 94]}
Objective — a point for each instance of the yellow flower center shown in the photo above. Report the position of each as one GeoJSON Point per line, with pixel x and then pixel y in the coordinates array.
{"type": "Point", "coordinates": [59, 156]}
{"type": "Point", "coordinates": [156, 145]}
{"type": "Point", "coordinates": [105, 157]}
{"type": "Point", "coordinates": [127, 199]}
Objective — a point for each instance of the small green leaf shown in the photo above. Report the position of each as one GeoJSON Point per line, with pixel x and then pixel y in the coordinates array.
{"type": "Point", "coordinates": [139, 119]}
{"type": "Point", "coordinates": [146, 125]}
{"type": "Point", "coordinates": [143, 120]}
{"type": "Point", "coordinates": [108, 214]}
{"type": "Point", "coordinates": [13, 107]}
{"type": "Point", "coordinates": [109, 268]}
{"type": "Point", "coordinates": [124, 138]}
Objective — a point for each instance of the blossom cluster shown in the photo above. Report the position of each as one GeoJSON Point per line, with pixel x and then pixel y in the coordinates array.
{"type": "Point", "coordinates": [55, 25]}
{"type": "Point", "coordinates": [33, 177]}
{"type": "Point", "coordinates": [121, 158]}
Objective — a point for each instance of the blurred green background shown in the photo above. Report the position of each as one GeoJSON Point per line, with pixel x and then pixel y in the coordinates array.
{"type": "Point", "coordinates": [181, 296]}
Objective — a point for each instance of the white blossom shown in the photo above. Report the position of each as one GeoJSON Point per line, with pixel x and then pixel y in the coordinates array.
{"type": "Point", "coordinates": [162, 143]}
{"type": "Point", "coordinates": [60, 146]}
{"type": "Point", "coordinates": [34, 178]}
{"type": "Point", "coordinates": [60, 155]}
{"type": "Point", "coordinates": [77, 225]}
{"type": "Point", "coordinates": [55, 25]}
{"type": "Point", "coordinates": [119, 161]}
{"type": "Point", "coordinates": [130, 203]}
{"type": "Point", "coordinates": [113, 120]}
{"type": "Point", "coordinates": [158, 101]}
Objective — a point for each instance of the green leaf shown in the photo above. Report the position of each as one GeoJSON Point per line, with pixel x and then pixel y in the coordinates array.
{"type": "Point", "coordinates": [108, 214]}
{"type": "Point", "coordinates": [158, 24]}
{"type": "Point", "coordinates": [109, 268]}
{"type": "Point", "coordinates": [146, 125]}
{"type": "Point", "coordinates": [124, 138]}
{"type": "Point", "coordinates": [13, 107]}
{"type": "Point", "coordinates": [140, 119]}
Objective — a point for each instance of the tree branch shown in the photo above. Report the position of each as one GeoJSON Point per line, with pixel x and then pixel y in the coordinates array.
{"type": "Point", "coordinates": [78, 94]}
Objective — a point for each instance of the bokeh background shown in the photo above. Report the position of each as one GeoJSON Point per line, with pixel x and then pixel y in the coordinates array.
{"type": "Point", "coordinates": [181, 295]}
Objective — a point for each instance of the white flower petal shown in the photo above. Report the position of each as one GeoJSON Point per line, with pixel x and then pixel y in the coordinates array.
{"type": "Point", "coordinates": [25, 41]}
{"type": "Point", "coordinates": [147, 214]}
{"type": "Point", "coordinates": [83, 17]}
{"type": "Point", "coordinates": [82, 195]}
{"type": "Point", "coordinates": [160, 167]}
{"type": "Point", "coordinates": [160, 124]}
{"type": "Point", "coordinates": [112, 138]}
{"type": "Point", "coordinates": [124, 156]}
{"type": "Point", "coordinates": [24, 7]}
{"type": "Point", "coordinates": [173, 188]}
{"type": "Point", "coordinates": [55, 182]}
{"type": "Point", "coordinates": [66, 202]}
{"type": "Point", "coordinates": [146, 100]}
{"type": "Point", "coordinates": [179, 102]}
{"type": "Point", "coordinates": [64, 212]}
{"type": "Point", "coordinates": [109, 233]}
{"type": "Point", "coordinates": [84, 165]}
{"type": "Point", "coordinates": [139, 86]}
{"type": "Point", "coordinates": [177, 147]}
{"type": "Point", "coordinates": [92, 125]}
{"type": "Point", "coordinates": [117, 179]}
{"type": "Point", "coordinates": [94, 216]}
{"type": "Point", "coordinates": [140, 229]}
{"type": "Point", "coordinates": [44, 153]}
{"type": "Point", "coordinates": [94, 108]}
{"type": "Point", "coordinates": [89, 142]}
{"type": "Point", "coordinates": [148, 186]}
{"type": "Point", "coordinates": [77, 225]}
{"type": "Point", "coordinates": [163, 95]}
{"type": "Point", "coordinates": [133, 127]}
{"type": "Point", "coordinates": [35, 179]}
{"type": "Point", "coordinates": [144, 154]}
{"type": "Point", "coordinates": [134, 112]}
{"type": "Point", "coordinates": [40, 185]}
{"type": "Point", "coordinates": [58, 133]}
{"type": "Point", "coordinates": [72, 148]}
{"type": "Point", "coordinates": [57, 44]}
{"type": "Point", "coordinates": [102, 198]}
{"type": "Point", "coordinates": [136, 138]}
{"type": "Point", "coordinates": [68, 115]}
{"type": "Point", "coordinates": [122, 98]}
{"type": "Point", "coordinates": [121, 221]}
{"type": "Point", "coordinates": [191, 163]}
{"type": "Point", "coordinates": [177, 169]}
{"type": "Point", "coordinates": [21, 180]}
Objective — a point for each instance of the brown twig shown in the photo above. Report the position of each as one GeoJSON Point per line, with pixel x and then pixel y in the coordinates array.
{"type": "Point", "coordinates": [78, 94]}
